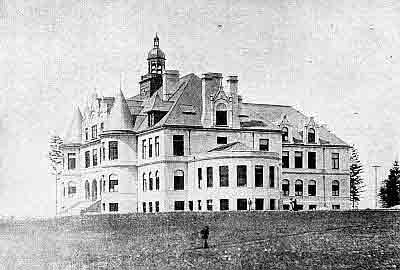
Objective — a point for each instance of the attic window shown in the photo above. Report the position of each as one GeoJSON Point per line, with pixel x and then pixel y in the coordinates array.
{"type": "Point", "coordinates": [221, 115]}
{"type": "Point", "coordinates": [155, 117]}
{"type": "Point", "coordinates": [311, 135]}
{"type": "Point", "coordinates": [285, 134]}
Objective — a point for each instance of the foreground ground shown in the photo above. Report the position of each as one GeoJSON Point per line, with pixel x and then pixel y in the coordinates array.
{"type": "Point", "coordinates": [247, 240]}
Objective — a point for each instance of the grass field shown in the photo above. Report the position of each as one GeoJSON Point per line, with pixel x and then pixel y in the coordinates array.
{"type": "Point", "coordinates": [247, 240]}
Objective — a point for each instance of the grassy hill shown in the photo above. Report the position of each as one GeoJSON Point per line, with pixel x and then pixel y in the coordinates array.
{"type": "Point", "coordinates": [246, 240]}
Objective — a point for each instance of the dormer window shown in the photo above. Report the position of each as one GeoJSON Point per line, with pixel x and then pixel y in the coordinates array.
{"type": "Point", "coordinates": [221, 115]}
{"type": "Point", "coordinates": [311, 136]}
{"type": "Point", "coordinates": [285, 134]}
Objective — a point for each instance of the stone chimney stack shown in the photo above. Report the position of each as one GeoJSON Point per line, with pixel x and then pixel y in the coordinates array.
{"type": "Point", "coordinates": [170, 79]}
{"type": "Point", "coordinates": [210, 84]}
{"type": "Point", "coordinates": [232, 82]}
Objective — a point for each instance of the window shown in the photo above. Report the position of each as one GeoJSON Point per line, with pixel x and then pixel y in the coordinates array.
{"type": "Point", "coordinates": [113, 183]}
{"type": "Point", "coordinates": [272, 204]}
{"type": "Point", "coordinates": [101, 126]}
{"type": "Point", "coordinates": [199, 205]}
{"type": "Point", "coordinates": [335, 206]}
{"type": "Point", "coordinates": [179, 182]}
{"type": "Point", "coordinates": [209, 176]}
{"type": "Point", "coordinates": [285, 134]}
{"type": "Point", "coordinates": [311, 135]}
{"type": "Point", "coordinates": [100, 155]}
{"type": "Point", "coordinates": [157, 181]}
{"type": "Point", "coordinates": [259, 175]}
{"type": "Point", "coordinates": [312, 162]}
{"type": "Point", "coordinates": [179, 206]}
{"type": "Point", "coordinates": [157, 206]}
{"type": "Point", "coordinates": [178, 145]}
{"type": "Point", "coordinates": [285, 159]}
{"type": "Point", "coordinates": [209, 205]}
{"type": "Point", "coordinates": [221, 115]}
{"type": "Point", "coordinates": [286, 207]}
{"type": "Point", "coordinates": [113, 207]}
{"type": "Point", "coordinates": [150, 181]}
{"type": "Point", "coordinates": [191, 205]}
{"type": "Point", "coordinates": [298, 159]}
{"type": "Point", "coordinates": [285, 187]}
{"type": "Point", "coordinates": [87, 159]}
{"type": "Point", "coordinates": [113, 150]}
{"type": "Point", "coordinates": [241, 175]}
{"type": "Point", "coordinates": [86, 134]}
{"type": "Point", "coordinates": [157, 146]}
{"type": "Point", "coordinates": [144, 149]}
{"type": "Point", "coordinates": [104, 183]}
{"type": "Point", "coordinates": [312, 188]}
{"type": "Point", "coordinates": [259, 204]}
{"type": "Point", "coordinates": [150, 207]}
{"type": "Point", "coordinates": [104, 207]}
{"type": "Point", "coordinates": [101, 186]}
{"type": "Point", "coordinates": [264, 145]}
{"type": "Point", "coordinates": [299, 207]}
{"type": "Point", "coordinates": [312, 207]}
{"type": "Point", "coordinates": [150, 147]}
{"type": "Point", "coordinates": [223, 204]}
{"type": "Point", "coordinates": [298, 188]}
{"type": "Point", "coordinates": [223, 176]}
{"type": "Point", "coordinates": [94, 190]}
{"type": "Point", "coordinates": [335, 160]}
{"type": "Point", "coordinates": [271, 176]}
{"type": "Point", "coordinates": [199, 177]}
{"type": "Point", "coordinates": [241, 204]}
{"type": "Point", "coordinates": [71, 161]}
{"type": "Point", "coordinates": [103, 146]}
{"type": "Point", "coordinates": [87, 190]}
{"type": "Point", "coordinates": [94, 132]}
{"type": "Point", "coordinates": [94, 156]}
{"type": "Point", "coordinates": [144, 207]}
{"type": "Point", "coordinates": [144, 182]}
{"type": "Point", "coordinates": [222, 140]}
{"type": "Point", "coordinates": [71, 188]}
{"type": "Point", "coordinates": [335, 188]}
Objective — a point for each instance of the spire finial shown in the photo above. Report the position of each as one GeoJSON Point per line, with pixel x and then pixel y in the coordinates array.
{"type": "Point", "coordinates": [156, 41]}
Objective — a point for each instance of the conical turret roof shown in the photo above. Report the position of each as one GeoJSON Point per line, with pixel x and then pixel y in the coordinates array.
{"type": "Point", "coordinates": [73, 133]}
{"type": "Point", "coordinates": [120, 117]}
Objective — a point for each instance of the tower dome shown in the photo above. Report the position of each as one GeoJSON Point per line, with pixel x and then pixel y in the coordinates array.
{"type": "Point", "coordinates": [156, 58]}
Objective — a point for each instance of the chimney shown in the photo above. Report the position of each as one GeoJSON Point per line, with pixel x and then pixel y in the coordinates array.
{"type": "Point", "coordinates": [232, 84]}
{"type": "Point", "coordinates": [210, 84]}
{"type": "Point", "coordinates": [170, 79]}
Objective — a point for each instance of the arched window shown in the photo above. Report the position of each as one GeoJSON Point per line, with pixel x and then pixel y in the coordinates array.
{"type": "Point", "coordinates": [285, 187]}
{"type": "Point", "coordinates": [157, 180]}
{"type": "Point", "coordinates": [335, 188]}
{"type": "Point", "coordinates": [94, 190]}
{"type": "Point", "coordinates": [104, 183]}
{"type": "Point", "coordinates": [144, 182]}
{"type": "Point", "coordinates": [179, 180]}
{"type": "Point", "coordinates": [113, 183]}
{"type": "Point", "coordinates": [221, 115]}
{"type": "Point", "coordinates": [150, 181]}
{"type": "Point", "coordinates": [71, 188]}
{"type": "Point", "coordinates": [311, 135]}
{"type": "Point", "coordinates": [312, 188]}
{"type": "Point", "coordinates": [285, 134]}
{"type": "Point", "coordinates": [87, 190]}
{"type": "Point", "coordinates": [298, 188]}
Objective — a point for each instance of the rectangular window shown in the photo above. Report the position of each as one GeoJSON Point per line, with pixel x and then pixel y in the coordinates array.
{"type": "Point", "coordinates": [286, 207]}
{"type": "Point", "coordinates": [199, 177]}
{"type": "Point", "coordinates": [223, 204]}
{"type": "Point", "coordinates": [223, 176]}
{"type": "Point", "coordinates": [94, 132]}
{"type": "Point", "coordinates": [178, 145]}
{"type": "Point", "coordinates": [144, 149]}
{"type": "Point", "coordinates": [103, 146]}
{"type": "Point", "coordinates": [312, 190]}
{"type": "Point", "coordinates": [100, 155]}
{"type": "Point", "coordinates": [113, 207]}
{"type": "Point", "coordinates": [241, 175]}
{"type": "Point", "coordinates": [259, 204]}
{"type": "Point", "coordinates": [259, 175]}
{"type": "Point", "coordinates": [209, 176]}
{"type": "Point", "coordinates": [221, 118]}
{"type": "Point", "coordinates": [271, 176]}
{"type": "Point", "coordinates": [312, 160]}
{"type": "Point", "coordinates": [222, 140]}
{"type": "Point", "coordinates": [312, 207]}
{"type": "Point", "coordinates": [241, 204]}
{"type": "Point", "coordinates": [150, 207]}
{"type": "Point", "coordinates": [157, 206]}
{"type": "Point", "coordinates": [264, 145]}
{"type": "Point", "coordinates": [94, 157]}
{"type": "Point", "coordinates": [87, 159]}
{"type": "Point", "coordinates": [199, 205]}
{"type": "Point", "coordinates": [71, 161]}
{"type": "Point", "coordinates": [157, 146]}
{"type": "Point", "coordinates": [272, 204]}
{"type": "Point", "coordinates": [113, 150]}
{"type": "Point", "coordinates": [191, 205]}
{"type": "Point", "coordinates": [179, 205]}
{"type": "Point", "coordinates": [86, 134]}
{"type": "Point", "coordinates": [144, 207]}
{"type": "Point", "coordinates": [335, 160]}
{"type": "Point", "coordinates": [150, 147]}
{"type": "Point", "coordinates": [113, 186]}
{"type": "Point", "coordinates": [285, 159]}
{"type": "Point", "coordinates": [298, 159]}
{"type": "Point", "coordinates": [209, 205]}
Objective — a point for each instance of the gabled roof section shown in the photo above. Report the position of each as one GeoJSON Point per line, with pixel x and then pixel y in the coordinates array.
{"type": "Point", "coordinates": [232, 147]}
{"type": "Point", "coordinates": [73, 133]}
{"type": "Point", "coordinates": [120, 117]}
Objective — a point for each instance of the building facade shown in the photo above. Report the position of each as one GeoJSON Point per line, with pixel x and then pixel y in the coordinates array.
{"type": "Point", "coordinates": [192, 144]}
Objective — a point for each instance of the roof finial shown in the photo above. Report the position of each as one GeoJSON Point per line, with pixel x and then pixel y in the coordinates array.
{"type": "Point", "coordinates": [156, 41]}
{"type": "Point", "coordinates": [121, 80]}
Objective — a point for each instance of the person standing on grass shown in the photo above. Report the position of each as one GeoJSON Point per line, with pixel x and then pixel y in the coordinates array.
{"type": "Point", "coordinates": [204, 235]}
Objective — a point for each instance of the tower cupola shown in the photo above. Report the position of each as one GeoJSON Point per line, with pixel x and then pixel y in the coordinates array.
{"type": "Point", "coordinates": [156, 58]}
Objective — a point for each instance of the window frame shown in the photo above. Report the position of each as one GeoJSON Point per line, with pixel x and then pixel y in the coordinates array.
{"type": "Point", "coordinates": [113, 150]}
{"type": "Point", "coordinates": [298, 159]}
{"type": "Point", "coordinates": [178, 145]}
{"type": "Point", "coordinates": [223, 176]}
{"type": "Point", "coordinates": [222, 140]}
{"type": "Point", "coordinates": [312, 165]}
{"type": "Point", "coordinates": [335, 161]}
{"type": "Point", "coordinates": [71, 157]}
{"type": "Point", "coordinates": [179, 180]}
{"type": "Point", "coordinates": [285, 159]}
{"type": "Point", "coordinates": [210, 177]}
{"type": "Point", "coordinates": [296, 185]}
{"type": "Point", "coordinates": [241, 175]}
{"type": "Point", "coordinates": [285, 182]}
{"type": "Point", "coordinates": [258, 175]}
{"type": "Point", "coordinates": [262, 146]}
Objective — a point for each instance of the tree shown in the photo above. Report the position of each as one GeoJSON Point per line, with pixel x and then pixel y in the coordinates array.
{"type": "Point", "coordinates": [356, 180]}
{"type": "Point", "coordinates": [56, 159]}
{"type": "Point", "coordinates": [390, 190]}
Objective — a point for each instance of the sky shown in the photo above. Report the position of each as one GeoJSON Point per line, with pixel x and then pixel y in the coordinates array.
{"type": "Point", "coordinates": [337, 60]}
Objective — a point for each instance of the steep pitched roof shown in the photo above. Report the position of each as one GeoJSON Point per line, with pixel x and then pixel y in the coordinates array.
{"type": "Point", "coordinates": [73, 133]}
{"type": "Point", "coordinates": [120, 117]}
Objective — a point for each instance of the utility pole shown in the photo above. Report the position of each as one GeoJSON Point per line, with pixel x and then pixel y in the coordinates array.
{"type": "Point", "coordinates": [376, 184]}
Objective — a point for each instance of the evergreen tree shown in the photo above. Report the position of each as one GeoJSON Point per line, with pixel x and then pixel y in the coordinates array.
{"type": "Point", "coordinates": [56, 159]}
{"type": "Point", "coordinates": [356, 180]}
{"type": "Point", "coordinates": [390, 191]}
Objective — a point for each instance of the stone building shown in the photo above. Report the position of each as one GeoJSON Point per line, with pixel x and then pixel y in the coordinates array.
{"type": "Point", "coordinates": [192, 144]}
